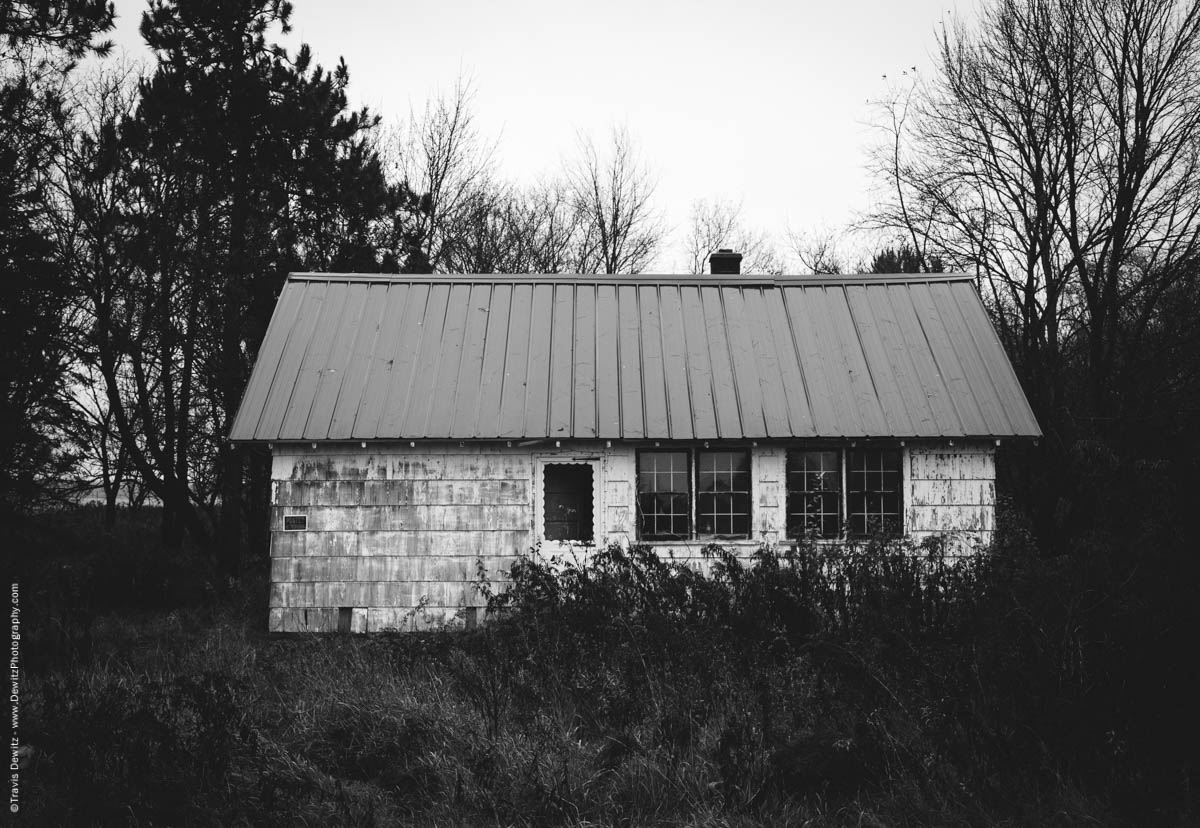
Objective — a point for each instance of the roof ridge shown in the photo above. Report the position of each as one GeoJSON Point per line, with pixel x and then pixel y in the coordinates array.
{"type": "Point", "coordinates": [722, 280]}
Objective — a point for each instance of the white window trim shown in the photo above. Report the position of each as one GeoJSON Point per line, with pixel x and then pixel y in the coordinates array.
{"type": "Point", "coordinates": [540, 461]}
{"type": "Point", "coordinates": [693, 484]}
{"type": "Point", "coordinates": [843, 450]}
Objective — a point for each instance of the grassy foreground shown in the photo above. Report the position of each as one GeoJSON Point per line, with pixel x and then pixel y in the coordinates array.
{"type": "Point", "coordinates": [871, 685]}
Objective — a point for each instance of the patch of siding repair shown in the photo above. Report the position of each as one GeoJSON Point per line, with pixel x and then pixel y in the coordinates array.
{"type": "Point", "coordinates": [395, 533]}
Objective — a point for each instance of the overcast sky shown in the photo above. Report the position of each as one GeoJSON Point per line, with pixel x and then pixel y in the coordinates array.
{"type": "Point", "coordinates": [761, 101]}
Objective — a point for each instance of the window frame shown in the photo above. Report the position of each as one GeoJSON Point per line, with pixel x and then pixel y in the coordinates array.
{"type": "Point", "coordinates": [692, 454]}
{"type": "Point", "coordinates": [540, 461]}
{"type": "Point", "coordinates": [843, 451]}
{"type": "Point", "coordinates": [847, 471]}
{"type": "Point", "coordinates": [590, 498]}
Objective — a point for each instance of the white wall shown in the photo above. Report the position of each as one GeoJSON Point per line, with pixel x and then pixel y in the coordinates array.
{"type": "Point", "coordinates": [396, 532]}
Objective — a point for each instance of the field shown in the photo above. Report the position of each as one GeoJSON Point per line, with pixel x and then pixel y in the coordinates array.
{"type": "Point", "coordinates": [867, 685]}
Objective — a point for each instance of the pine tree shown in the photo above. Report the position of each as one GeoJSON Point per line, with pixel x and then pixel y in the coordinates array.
{"type": "Point", "coordinates": [246, 164]}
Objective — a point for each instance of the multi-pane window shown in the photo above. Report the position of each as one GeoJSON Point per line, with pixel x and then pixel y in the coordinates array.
{"type": "Point", "coordinates": [814, 485]}
{"type": "Point", "coordinates": [723, 493]}
{"type": "Point", "coordinates": [664, 509]}
{"type": "Point", "coordinates": [716, 485]}
{"type": "Point", "coordinates": [873, 491]}
{"type": "Point", "coordinates": [867, 494]}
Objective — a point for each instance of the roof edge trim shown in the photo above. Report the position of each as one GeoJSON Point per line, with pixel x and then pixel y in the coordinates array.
{"type": "Point", "coordinates": [797, 440]}
{"type": "Point", "coordinates": [743, 280]}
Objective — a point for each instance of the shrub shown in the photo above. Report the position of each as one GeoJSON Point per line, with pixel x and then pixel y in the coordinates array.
{"type": "Point", "coordinates": [151, 750]}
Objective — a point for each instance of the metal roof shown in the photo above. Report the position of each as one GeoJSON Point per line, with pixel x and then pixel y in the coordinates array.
{"type": "Point", "coordinates": [355, 357]}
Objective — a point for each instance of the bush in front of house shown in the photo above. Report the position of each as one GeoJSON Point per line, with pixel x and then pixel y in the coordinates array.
{"type": "Point", "coordinates": [875, 683]}
{"type": "Point", "coordinates": [1002, 684]}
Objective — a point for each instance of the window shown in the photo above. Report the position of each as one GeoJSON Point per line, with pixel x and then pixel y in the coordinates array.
{"type": "Point", "coordinates": [568, 501]}
{"type": "Point", "coordinates": [814, 486]}
{"type": "Point", "coordinates": [723, 499]}
{"type": "Point", "coordinates": [667, 480]}
{"type": "Point", "coordinates": [663, 503]}
{"type": "Point", "coordinates": [866, 492]}
{"type": "Point", "coordinates": [873, 483]}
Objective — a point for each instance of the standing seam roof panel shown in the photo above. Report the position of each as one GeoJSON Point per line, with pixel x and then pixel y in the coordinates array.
{"type": "Point", "coordinates": [444, 364]}
{"type": "Point", "coordinates": [562, 360]}
{"type": "Point", "coordinates": [839, 321]}
{"type": "Point", "coordinates": [284, 378]}
{"type": "Point", "coordinates": [350, 393]}
{"type": "Point", "coordinates": [630, 375]}
{"type": "Point", "coordinates": [829, 347]}
{"type": "Point", "coordinates": [913, 400]}
{"type": "Point", "coordinates": [725, 397]}
{"type": "Point", "coordinates": [928, 371]}
{"type": "Point", "coordinates": [469, 384]}
{"type": "Point", "coordinates": [583, 413]}
{"type": "Point", "coordinates": [328, 389]}
{"type": "Point", "coordinates": [314, 364]}
{"type": "Point", "coordinates": [537, 377]}
{"type": "Point", "coordinates": [654, 382]}
{"type": "Point", "coordinates": [618, 357]}
{"type": "Point", "coordinates": [389, 384]}
{"type": "Point", "coordinates": [770, 377]}
{"type": "Point", "coordinates": [800, 417]}
{"type": "Point", "coordinates": [745, 371]}
{"type": "Point", "coordinates": [978, 379]}
{"type": "Point", "coordinates": [608, 364]}
{"type": "Point", "coordinates": [675, 364]}
{"type": "Point", "coordinates": [949, 366]}
{"type": "Point", "coordinates": [1008, 387]}
{"type": "Point", "coordinates": [883, 378]}
{"type": "Point", "coordinates": [700, 379]}
{"type": "Point", "coordinates": [262, 376]}
{"type": "Point", "coordinates": [486, 422]}
{"type": "Point", "coordinates": [516, 363]}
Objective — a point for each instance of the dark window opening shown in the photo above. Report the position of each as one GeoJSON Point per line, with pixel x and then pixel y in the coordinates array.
{"type": "Point", "coordinates": [664, 495]}
{"type": "Point", "coordinates": [873, 479]}
{"type": "Point", "coordinates": [814, 494]}
{"type": "Point", "coordinates": [568, 500]}
{"type": "Point", "coordinates": [723, 494]}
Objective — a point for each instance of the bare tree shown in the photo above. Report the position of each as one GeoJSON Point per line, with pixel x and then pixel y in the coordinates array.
{"type": "Point", "coordinates": [441, 158]}
{"type": "Point", "coordinates": [820, 251]}
{"type": "Point", "coordinates": [1057, 153]}
{"type": "Point", "coordinates": [718, 224]}
{"type": "Point", "coordinates": [505, 229]}
{"type": "Point", "coordinates": [612, 192]}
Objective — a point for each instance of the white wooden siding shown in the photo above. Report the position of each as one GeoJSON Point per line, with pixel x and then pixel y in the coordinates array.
{"type": "Point", "coordinates": [395, 533]}
{"type": "Point", "coordinates": [951, 491]}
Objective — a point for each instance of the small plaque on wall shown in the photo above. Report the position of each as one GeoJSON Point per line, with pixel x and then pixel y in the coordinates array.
{"type": "Point", "coordinates": [295, 523]}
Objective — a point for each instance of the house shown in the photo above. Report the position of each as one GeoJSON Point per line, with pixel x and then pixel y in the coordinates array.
{"type": "Point", "coordinates": [420, 425]}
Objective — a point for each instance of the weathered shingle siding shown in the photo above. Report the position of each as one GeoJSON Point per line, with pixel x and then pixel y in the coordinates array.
{"type": "Point", "coordinates": [951, 491]}
{"type": "Point", "coordinates": [394, 534]}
